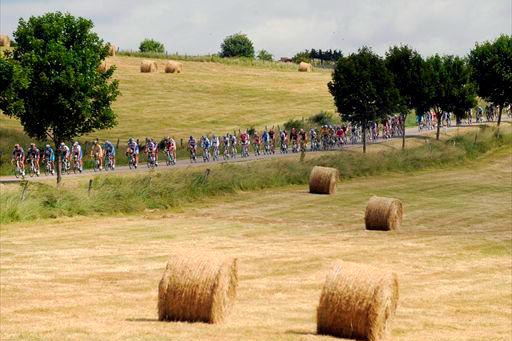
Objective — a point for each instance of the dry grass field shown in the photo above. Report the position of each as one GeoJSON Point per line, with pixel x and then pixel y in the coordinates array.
{"type": "Point", "coordinates": [209, 97]}
{"type": "Point", "coordinates": [96, 278]}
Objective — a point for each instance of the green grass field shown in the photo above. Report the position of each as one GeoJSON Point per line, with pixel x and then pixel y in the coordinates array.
{"type": "Point", "coordinates": [96, 278]}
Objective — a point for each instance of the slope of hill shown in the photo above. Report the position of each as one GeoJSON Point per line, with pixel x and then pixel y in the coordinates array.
{"type": "Point", "coordinates": [209, 97]}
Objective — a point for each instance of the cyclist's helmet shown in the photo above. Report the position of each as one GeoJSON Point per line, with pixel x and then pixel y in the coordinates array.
{"type": "Point", "coordinates": [62, 144]}
{"type": "Point", "coordinates": [48, 146]}
{"type": "Point", "coordinates": [32, 145]}
{"type": "Point", "coordinates": [16, 146]}
{"type": "Point", "coordinates": [75, 144]}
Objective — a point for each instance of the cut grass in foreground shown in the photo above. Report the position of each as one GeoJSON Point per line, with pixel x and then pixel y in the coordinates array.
{"type": "Point", "coordinates": [161, 190]}
{"type": "Point", "coordinates": [96, 278]}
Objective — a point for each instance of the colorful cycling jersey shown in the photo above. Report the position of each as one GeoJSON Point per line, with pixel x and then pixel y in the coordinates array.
{"type": "Point", "coordinates": [151, 147]}
{"type": "Point", "coordinates": [109, 148]}
{"type": "Point", "coordinates": [232, 139]}
{"type": "Point", "coordinates": [271, 134]}
{"type": "Point", "coordinates": [64, 151]}
{"type": "Point", "coordinates": [77, 151]}
{"type": "Point", "coordinates": [293, 135]}
{"type": "Point", "coordinates": [265, 136]}
{"type": "Point", "coordinates": [244, 137]}
{"type": "Point", "coordinates": [206, 143]}
{"type": "Point", "coordinates": [48, 154]}
{"type": "Point", "coordinates": [192, 142]}
{"type": "Point", "coordinates": [226, 141]}
{"type": "Point", "coordinates": [97, 150]}
{"type": "Point", "coordinates": [134, 147]}
{"type": "Point", "coordinates": [170, 144]}
{"type": "Point", "coordinates": [256, 139]}
{"type": "Point", "coordinates": [33, 153]}
{"type": "Point", "coordinates": [18, 153]}
{"type": "Point", "coordinates": [215, 141]}
{"type": "Point", "coordinates": [283, 135]}
{"type": "Point", "coordinates": [303, 136]}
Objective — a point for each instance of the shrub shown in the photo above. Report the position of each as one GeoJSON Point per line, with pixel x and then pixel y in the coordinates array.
{"type": "Point", "coordinates": [320, 119]}
{"type": "Point", "coordinates": [264, 55]}
{"type": "Point", "coordinates": [237, 45]}
{"type": "Point", "coordinates": [297, 124]}
{"type": "Point", "coordinates": [304, 56]}
{"type": "Point", "coordinates": [151, 45]}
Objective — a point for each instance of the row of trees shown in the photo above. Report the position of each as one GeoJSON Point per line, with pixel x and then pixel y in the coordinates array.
{"type": "Point", "coordinates": [323, 56]}
{"type": "Point", "coordinates": [367, 87]}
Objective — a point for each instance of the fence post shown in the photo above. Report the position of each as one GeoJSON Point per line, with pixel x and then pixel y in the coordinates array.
{"type": "Point", "coordinates": [181, 142]}
{"type": "Point", "coordinates": [24, 189]}
{"type": "Point", "coordinates": [117, 144]}
{"type": "Point", "coordinates": [90, 187]}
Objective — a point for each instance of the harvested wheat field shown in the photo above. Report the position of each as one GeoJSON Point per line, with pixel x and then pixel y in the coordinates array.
{"type": "Point", "coordinates": [96, 278]}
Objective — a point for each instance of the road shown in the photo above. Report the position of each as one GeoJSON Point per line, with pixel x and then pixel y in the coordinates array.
{"type": "Point", "coordinates": [409, 132]}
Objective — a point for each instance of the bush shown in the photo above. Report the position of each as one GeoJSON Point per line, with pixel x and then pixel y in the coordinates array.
{"type": "Point", "coordinates": [237, 45]}
{"type": "Point", "coordinates": [251, 131]}
{"type": "Point", "coordinates": [151, 45]}
{"type": "Point", "coordinates": [304, 56]}
{"type": "Point", "coordinates": [320, 119]}
{"type": "Point", "coordinates": [264, 55]}
{"type": "Point", "coordinates": [297, 124]}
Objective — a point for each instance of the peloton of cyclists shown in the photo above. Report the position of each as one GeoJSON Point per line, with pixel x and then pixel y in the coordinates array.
{"type": "Point", "coordinates": [18, 154]}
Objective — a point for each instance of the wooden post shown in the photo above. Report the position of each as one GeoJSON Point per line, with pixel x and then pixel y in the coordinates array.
{"type": "Point", "coordinates": [25, 185]}
{"type": "Point", "coordinates": [90, 187]}
{"type": "Point", "coordinates": [117, 144]}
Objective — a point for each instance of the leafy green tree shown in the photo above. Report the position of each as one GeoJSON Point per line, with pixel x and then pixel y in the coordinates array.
{"type": "Point", "coordinates": [52, 83]}
{"type": "Point", "coordinates": [491, 65]}
{"type": "Point", "coordinates": [363, 89]}
{"type": "Point", "coordinates": [237, 45]}
{"type": "Point", "coordinates": [151, 45]}
{"type": "Point", "coordinates": [303, 56]}
{"type": "Point", "coordinates": [451, 86]}
{"type": "Point", "coordinates": [264, 55]}
{"type": "Point", "coordinates": [407, 68]}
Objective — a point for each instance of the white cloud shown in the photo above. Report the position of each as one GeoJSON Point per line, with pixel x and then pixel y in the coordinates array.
{"type": "Point", "coordinates": [284, 27]}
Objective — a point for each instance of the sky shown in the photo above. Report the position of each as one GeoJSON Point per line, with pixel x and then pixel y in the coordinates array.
{"type": "Point", "coordinates": [283, 27]}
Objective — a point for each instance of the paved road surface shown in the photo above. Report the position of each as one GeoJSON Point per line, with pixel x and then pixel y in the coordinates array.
{"type": "Point", "coordinates": [142, 167]}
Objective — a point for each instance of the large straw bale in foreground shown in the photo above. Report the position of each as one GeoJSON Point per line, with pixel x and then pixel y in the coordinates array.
{"type": "Point", "coordinates": [197, 287]}
{"type": "Point", "coordinates": [5, 41]}
{"type": "Point", "coordinates": [112, 49]}
{"type": "Point", "coordinates": [173, 67]}
{"type": "Point", "coordinates": [357, 301]}
{"type": "Point", "coordinates": [148, 66]}
{"type": "Point", "coordinates": [383, 214]}
{"type": "Point", "coordinates": [305, 67]}
{"type": "Point", "coordinates": [322, 180]}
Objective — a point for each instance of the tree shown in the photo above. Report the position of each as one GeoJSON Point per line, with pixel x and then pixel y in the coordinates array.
{"type": "Point", "coordinates": [406, 65]}
{"type": "Point", "coordinates": [303, 56]}
{"type": "Point", "coordinates": [363, 89]}
{"type": "Point", "coordinates": [237, 45]}
{"type": "Point", "coordinates": [52, 83]}
{"type": "Point", "coordinates": [452, 90]}
{"type": "Point", "coordinates": [491, 65]}
{"type": "Point", "coordinates": [264, 55]}
{"type": "Point", "coordinates": [151, 45]}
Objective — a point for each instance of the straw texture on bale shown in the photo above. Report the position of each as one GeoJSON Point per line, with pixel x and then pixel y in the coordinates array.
{"type": "Point", "coordinates": [103, 66]}
{"type": "Point", "coordinates": [148, 66]}
{"type": "Point", "coordinates": [112, 49]}
{"type": "Point", "coordinates": [305, 67]}
{"type": "Point", "coordinates": [5, 41]}
{"type": "Point", "coordinates": [357, 302]}
{"type": "Point", "coordinates": [197, 288]}
{"type": "Point", "coordinates": [173, 67]}
{"type": "Point", "coordinates": [322, 180]}
{"type": "Point", "coordinates": [383, 214]}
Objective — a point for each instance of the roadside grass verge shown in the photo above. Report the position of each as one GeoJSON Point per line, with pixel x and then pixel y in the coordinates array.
{"type": "Point", "coordinates": [168, 189]}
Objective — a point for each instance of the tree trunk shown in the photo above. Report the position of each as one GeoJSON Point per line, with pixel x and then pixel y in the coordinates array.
{"type": "Point", "coordinates": [364, 138]}
{"type": "Point", "coordinates": [438, 125]}
{"type": "Point", "coordinates": [499, 116]}
{"type": "Point", "coordinates": [404, 117]}
{"type": "Point", "coordinates": [59, 163]}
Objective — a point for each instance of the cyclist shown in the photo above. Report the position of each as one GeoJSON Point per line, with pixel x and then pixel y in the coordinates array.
{"type": "Point", "coordinates": [152, 150]}
{"type": "Point", "coordinates": [110, 153]}
{"type": "Point", "coordinates": [97, 153]}
{"type": "Point", "coordinates": [312, 136]}
{"type": "Point", "coordinates": [294, 137]}
{"type": "Point", "coordinates": [205, 144]}
{"type": "Point", "coordinates": [244, 141]}
{"type": "Point", "coordinates": [265, 137]}
{"type": "Point", "coordinates": [77, 154]}
{"type": "Point", "coordinates": [225, 142]}
{"type": "Point", "coordinates": [232, 142]}
{"type": "Point", "coordinates": [49, 156]}
{"type": "Point", "coordinates": [192, 147]}
{"type": "Point", "coordinates": [34, 154]}
{"type": "Point", "coordinates": [19, 155]}
{"type": "Point", "coordinates": [303, 139]}
{"type": "Point", "coordinates": [284, 141]}
{"type": "Point", "coordinates": [133, 150]}
{"type": "Point", "coordinates": [170, 146]}
{"type": "Point", "coordinates": [215, 145]}
{"type": "Point", "coordinates": [256, 141]}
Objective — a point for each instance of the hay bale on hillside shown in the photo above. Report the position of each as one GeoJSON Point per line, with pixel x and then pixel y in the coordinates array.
{"type": "Point", "coordinates": [305, 67]}
{"type": "Point", "coordinates": [5, 41]}
{"type": "Point", "coordinates": [383, 214]}
{"type": "Point", "coordinates": [112, 49]}
{"type": "Point", "coordinates": [148, 66]}
{"type": "Point", "coordinates": [173, 67]}
{"type": "Point", "coordinates": [103, 66]}
{"type": "Point", "coordinates": [322, 180]}
{"type": "Point", "coordinates": [197, 287]}
{"type": "Point", "coordinates": [357, 301]}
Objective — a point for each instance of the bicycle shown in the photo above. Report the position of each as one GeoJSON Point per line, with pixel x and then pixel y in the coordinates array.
{"type": "Point", "coordinates": [48, 169]}
{"type": "Point", "coordinates": [245, 150]}
{"type": "Point", "coordinates": [295, 147]}
{"type": "Point", "coordinates": [18, 170]}
{"type": "Point", "coordinates": [96, 163]}
{"type": "Point", "coordinates": [206, 155]}
{"type": "Point", "coordinates": [109, 162]}
{"type": "Point", "coordinates": [76, 166]}
{"type": "Point", "coordinates": [170, 158]}
{"type": "Point", "coordinates": [284, 147]}
{"type": "Point", "coordinates": [132, 161]}
{"type": "Point", "coordinates": [65, 166]}
{"type": "Point", "coordinates": [256, 149]}
{"type": "Point", "coordinates": [266, 150]}
{"type": "Point", "coordinates": [32, 170]}
{"type": "Point", "coordinates": [193, 155]}
{"type": "Point", "coordinates": [215, 153]}
{"type": "Point", "coordinates": [151, 160]}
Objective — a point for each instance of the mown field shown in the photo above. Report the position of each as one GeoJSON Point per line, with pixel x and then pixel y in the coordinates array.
{"type": "Point", "coordinates": [96, 277]}
{"type": "Point", "coordinates": [209, 97]}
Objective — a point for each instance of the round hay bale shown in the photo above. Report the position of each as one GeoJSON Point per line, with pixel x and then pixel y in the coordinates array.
{"type": "Point", "coordinates": [322, 180]}
{"type": "Point", "coordinates": [5, 41]}
{"type": "Point", "coordinates": [103, 66]}
{"type": "Point", "coordinates": [112, 49]}
{"type": "Point", "coordinates": [357, 301]}
{"type": "Point", "coordinates": [383, 214]}
{"type": "Point", "coordinates": [305, 67]}
{"type": "Point", "coordinates": [148, 66]}
{"type": "Point", "coordinates": [197, 288]}
{"type": "Point", "coordinates": [173, 67]}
